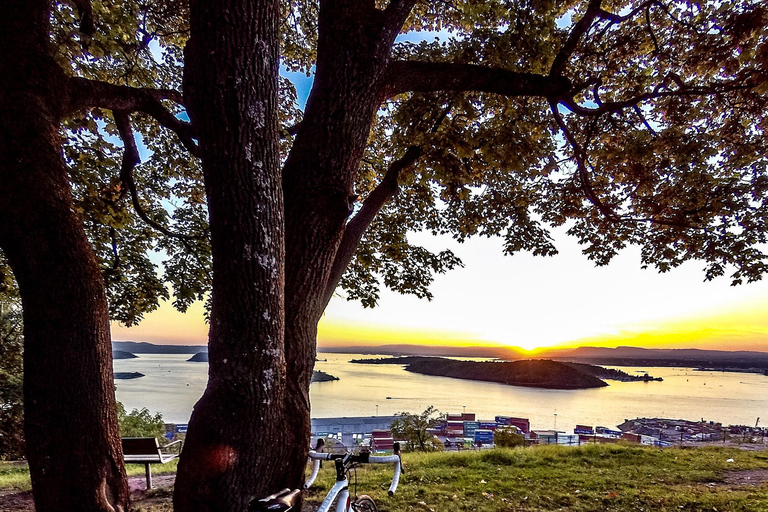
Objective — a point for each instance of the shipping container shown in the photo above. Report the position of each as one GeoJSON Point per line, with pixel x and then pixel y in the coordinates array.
{"type": "Point", "coordinates": [484, 436]}
{"type": "Point", "coordinates": [467, 416]}
{"type": "Point", "coordinates": [523, 424]}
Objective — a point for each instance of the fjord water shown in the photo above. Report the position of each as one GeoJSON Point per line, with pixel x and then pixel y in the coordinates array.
{"type": "Point", "coordinates": [172, 385]}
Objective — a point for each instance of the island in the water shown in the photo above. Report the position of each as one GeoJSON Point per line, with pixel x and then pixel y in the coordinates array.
{"type": "Point", "coordinates": [200, 357]}
{"type": "Point", "coordinates": [538, 373]}
{"type": "Point", "coordinates": [128, 375]}
{"type": "Point", "coordinates": [122, 354]}
{"type": "Point", "coordinates": [143, 347]}
{"type": "Point", "coordinates": [317, 375]}
{"type": "Point", "coordinates": [321, 376]}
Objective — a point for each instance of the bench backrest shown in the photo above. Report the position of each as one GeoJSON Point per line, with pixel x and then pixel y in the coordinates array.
{"type": "Point", "coordinates": [140, 446]}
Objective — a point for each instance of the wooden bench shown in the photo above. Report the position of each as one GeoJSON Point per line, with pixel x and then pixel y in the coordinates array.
{"type": "Point", "coordinates": [146, 450]}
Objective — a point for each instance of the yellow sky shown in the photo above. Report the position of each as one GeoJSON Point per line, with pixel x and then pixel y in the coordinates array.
{"type": "Point", "coordinates": [740, 327]}
{"type": "Point", "coordinates": [530, 302]}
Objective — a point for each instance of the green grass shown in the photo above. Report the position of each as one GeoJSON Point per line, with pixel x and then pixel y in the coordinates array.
{"type": "Point", "coordinates": [548, 478]}
{"type": "Point", "coordinates": [15, 475]}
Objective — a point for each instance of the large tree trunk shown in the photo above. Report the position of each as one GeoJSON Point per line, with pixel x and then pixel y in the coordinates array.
{"type": "Point", "coordinates": [73, 439]}
{"type": "Point", "coordinates": [318, 180]}
{"type": "Point", "coordinates": [236, 447]}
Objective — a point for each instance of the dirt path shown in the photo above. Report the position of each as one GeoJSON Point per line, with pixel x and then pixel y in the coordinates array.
{"type": "Point", "coordinates": [14, 501]}
{"type": "Point", "coordinates": [746, 478]}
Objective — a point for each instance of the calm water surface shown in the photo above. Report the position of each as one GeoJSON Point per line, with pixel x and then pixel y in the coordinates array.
{"type": "Point", "coordinates": [172, 385]}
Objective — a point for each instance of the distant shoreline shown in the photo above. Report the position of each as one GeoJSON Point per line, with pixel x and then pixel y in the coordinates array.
{"type": "Point", "coordinates": [703, 360]}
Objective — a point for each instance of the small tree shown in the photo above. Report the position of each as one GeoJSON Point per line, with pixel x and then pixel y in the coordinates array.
{"type": "Point", "coordinates": [11, 385]}
{"type": "Point", "coordinates": [508, 438]}
{"type": "Point", "coordinates": [140, 423]}
{"type": "Point", "coordinates": [414, 429]}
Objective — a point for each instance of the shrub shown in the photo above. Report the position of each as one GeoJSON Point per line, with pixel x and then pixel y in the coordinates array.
{"type": "Point", "coordinates": [140, 423]}
{"type": "Point", "coordinates": [11, 389]}
{"type": "Point", "coordinates": [506, 438]}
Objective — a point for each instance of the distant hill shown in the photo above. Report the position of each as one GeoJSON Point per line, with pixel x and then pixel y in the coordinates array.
{"type": "Point", "coordinates": [507, 353]}
{"type": "Point", "coordinates": [619, 356]}
{"type": "Point", "coordinates": [121, 354]}
{"type": "Point", "coordinates": [634, 356]}
{"type": "Point", "coordinates": [142, 347]}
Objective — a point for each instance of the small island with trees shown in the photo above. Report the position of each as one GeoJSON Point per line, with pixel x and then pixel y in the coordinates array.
{"type": "Point", "coordinates": [538, 373]}
{"type": "Point", "coordinates": [122, 354]}
{"type": "Point", "coordinates": [321, 376]}
{"type": "Point", "coordinates": [127, 375]}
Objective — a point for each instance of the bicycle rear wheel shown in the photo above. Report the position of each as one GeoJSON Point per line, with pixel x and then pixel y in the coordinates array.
{"type": "Point", "coordinates": [364, 504]}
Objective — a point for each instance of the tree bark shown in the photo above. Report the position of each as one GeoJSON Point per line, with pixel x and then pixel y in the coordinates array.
{"type": "Point", "coordinates": [236, 446]}
{"type": "Point", "coordinates": [318, 180]}
{"type": "Point", "coordinates": [73, 439]}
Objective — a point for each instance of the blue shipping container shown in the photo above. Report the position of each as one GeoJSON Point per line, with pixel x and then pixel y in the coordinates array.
{"type": "Point", "coordinates": [483, 436]}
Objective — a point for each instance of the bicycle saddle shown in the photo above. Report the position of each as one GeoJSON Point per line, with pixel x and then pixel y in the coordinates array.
{"type": "Point", "coordinates": [278, 502]}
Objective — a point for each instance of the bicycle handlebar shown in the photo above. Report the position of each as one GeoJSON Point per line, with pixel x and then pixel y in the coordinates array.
{"type": "Point", "coordinates": [315, 470]}
{"type": "Point", "coordinates": [396, 476]}
{"type": "Point", "coordinates": [363, 458]}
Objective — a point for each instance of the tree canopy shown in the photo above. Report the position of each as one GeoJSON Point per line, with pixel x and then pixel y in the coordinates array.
{"type": "Point", "coordinates": [655, 137]}
{"type": "Point", "coordinates": [414, 429]}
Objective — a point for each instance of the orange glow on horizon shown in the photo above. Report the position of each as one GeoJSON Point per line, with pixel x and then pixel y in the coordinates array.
{"type": "Point", "coordinates": [167, 326]}
{"type": "Point", "coordinates": [333, 333]}
{"type": "Point", "coordinates": [739, 327]}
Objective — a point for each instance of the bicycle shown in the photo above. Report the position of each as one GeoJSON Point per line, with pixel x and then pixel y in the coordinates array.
{"type": "Point", "coordinates": [283, 501]}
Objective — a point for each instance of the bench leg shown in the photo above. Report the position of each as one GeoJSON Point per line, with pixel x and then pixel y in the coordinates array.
{"type": "Point", "coordinates": [149, 477]}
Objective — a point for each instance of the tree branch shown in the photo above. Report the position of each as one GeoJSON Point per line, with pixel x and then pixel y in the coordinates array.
{"type": "Point", "coordinates": [395, 14]}
{"type": "Point", "coordinates": [581, 164]}
{"type": "Point", "coordinates": [578, 31]}
{"type": "Point", "coordinates": [661, 91]}
{"type": "Point", "coordinates": [115, 253]}
{"type": "Point", "coordinates": [353, 232]}
{"type": "Point", "coordinates": [85, 10]}
{"type": "Point", "coordinates": [645, 121]}
{"type": "Point", "coordinates": [651, 32]}
{"type": "Point", "coordinates": [615, 18]}
{"type": "Point", "coordinates": [130, 160]}
{"type": "Point", "coordinates": [405, 76]}
{"type": "Point", "coordinates": [290, 131]}
{"type": "Point", "coordinates": [85, 93]}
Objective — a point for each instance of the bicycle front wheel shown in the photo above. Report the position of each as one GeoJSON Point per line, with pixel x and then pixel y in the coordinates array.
{"type": "Point", "coordinates": [364, 504]}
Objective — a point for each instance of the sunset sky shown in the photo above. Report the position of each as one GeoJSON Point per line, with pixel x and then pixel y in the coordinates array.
{"type": "Point", "coordinates": [531, 302]}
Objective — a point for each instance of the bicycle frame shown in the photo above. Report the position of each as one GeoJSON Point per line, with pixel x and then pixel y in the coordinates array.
{"type": "Point", "coordinates": [340, 490]}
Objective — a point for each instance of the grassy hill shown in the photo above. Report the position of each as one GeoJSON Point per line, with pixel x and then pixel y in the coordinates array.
{"type": "Point", "coordinates": [590, 478]}
{"type": "Point", "coordinates": [552, 478]}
